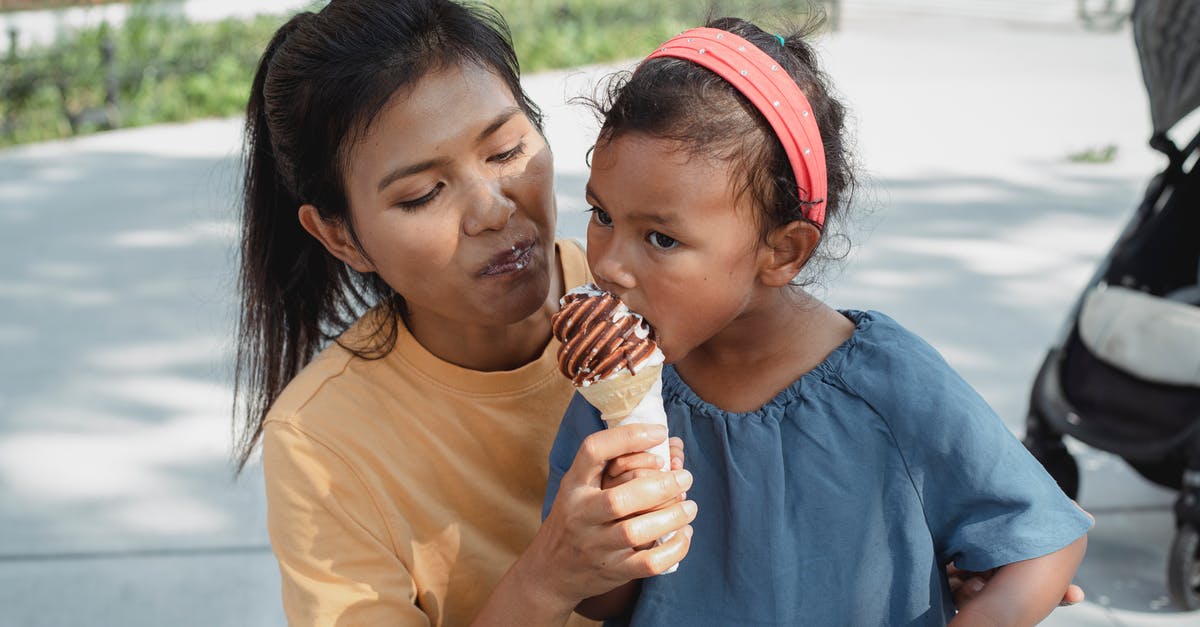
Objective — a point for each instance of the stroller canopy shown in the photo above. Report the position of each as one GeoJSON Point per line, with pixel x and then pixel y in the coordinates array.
{"type": "Point", "coordinates": [1167, 36]}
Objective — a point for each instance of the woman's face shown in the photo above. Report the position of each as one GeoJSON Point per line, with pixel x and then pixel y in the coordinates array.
{"type": "Point", "coordinates": [451, 197]}
{"type": "Point", "coordinates": [671, 237]}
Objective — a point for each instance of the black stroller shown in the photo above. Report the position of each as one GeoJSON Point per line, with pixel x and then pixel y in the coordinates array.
{"type": "Point", "coordinates": [1125, 375]}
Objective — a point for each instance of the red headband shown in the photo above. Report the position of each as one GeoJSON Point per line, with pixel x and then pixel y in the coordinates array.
{"type": "Point", "coordinates": [769, 88]}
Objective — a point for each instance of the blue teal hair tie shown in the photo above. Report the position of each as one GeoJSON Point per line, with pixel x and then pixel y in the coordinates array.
{"type": "Point", "coordinates": [781, 41]}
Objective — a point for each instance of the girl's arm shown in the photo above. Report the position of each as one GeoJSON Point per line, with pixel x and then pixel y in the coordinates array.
{"type": "Point", "coordinates": [1024, 593]}
{"type": "Point", "coordinates": [590, 542]}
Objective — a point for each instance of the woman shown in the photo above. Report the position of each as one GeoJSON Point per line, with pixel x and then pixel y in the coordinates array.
{"type": "Point", "coordinates": [395, 166]}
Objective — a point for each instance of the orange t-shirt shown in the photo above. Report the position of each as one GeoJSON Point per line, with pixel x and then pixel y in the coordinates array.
{"type": "Point", "coordinates": [401, 489]}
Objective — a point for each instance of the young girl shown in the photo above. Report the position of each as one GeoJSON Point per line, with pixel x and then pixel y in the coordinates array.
{"type": "Point", "coordinates": [839, 463]}
{"type": "Point", "coordinates": [394, 165]}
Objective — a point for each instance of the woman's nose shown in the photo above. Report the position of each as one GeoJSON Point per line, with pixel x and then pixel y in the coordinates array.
{"type": "Point", "coordinates": [489, 209]}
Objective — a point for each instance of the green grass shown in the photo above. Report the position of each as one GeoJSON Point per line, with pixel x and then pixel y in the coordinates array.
{"type": "Point", "coordinates": [168, 70]}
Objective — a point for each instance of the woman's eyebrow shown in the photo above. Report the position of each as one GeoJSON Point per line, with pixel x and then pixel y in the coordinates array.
{"type": "Point", "coordinates": [409, 170]}
{"type": "Point", "coordinates": [498, 121]}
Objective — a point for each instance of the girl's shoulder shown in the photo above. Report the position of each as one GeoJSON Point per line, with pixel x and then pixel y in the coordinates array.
{"type": "Point", "coordinates": [881, 345]}
{"type": "Point", "coordinates": [885, 359]}
{"type": "Point", "coordinates": [901, 376]}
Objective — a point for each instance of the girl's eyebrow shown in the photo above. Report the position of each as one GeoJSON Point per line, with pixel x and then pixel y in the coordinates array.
{"type": "Point", "coordinates": [655, 218]}
{"type": "Point", "coordinates": [408, 170]}
{"type": "Point", "coordinates": [588, 193]}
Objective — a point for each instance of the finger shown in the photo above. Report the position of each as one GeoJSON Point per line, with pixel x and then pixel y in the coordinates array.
{"type": "Point", "coordinates": [644, 528]}
{"type": "Point", "coordinates": [634, 461]}
{"type": "Point", "coordinates": [656, 560]}
{"type": "Point", "coordinates": [968, 590]}
{"type": "Point", "coordinates": [641, 494]}
{"type": "Point", "coordinates": [611, 482]}
{"type": "Point", "coordinates": [1074, 595]}
{"type": "Point", "coordinates": [676, 445]}
{"type": "Point", "coordinates": [600, 447]}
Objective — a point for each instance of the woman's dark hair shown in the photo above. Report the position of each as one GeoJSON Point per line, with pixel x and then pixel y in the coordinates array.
{"type": "Point", "coordinates": [322, 80]}
{"type": "Point", "coordinates": [675, 99]}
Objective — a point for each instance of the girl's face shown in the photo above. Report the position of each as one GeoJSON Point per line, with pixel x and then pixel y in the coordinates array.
{"type": "Point", "coordinates": [669, 236]}
{"type": "Point", "coordinates": [451, 197]}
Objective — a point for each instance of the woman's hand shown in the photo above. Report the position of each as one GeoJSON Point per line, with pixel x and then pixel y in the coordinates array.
{"type": "Point", "coordinates": [589, 543]}
{"type": "Point", "coordinates": [640, 464]}
{"type": "Point", "coordinates": [965, 585]}
{"type": "Point", "coordinates": [626, 468]}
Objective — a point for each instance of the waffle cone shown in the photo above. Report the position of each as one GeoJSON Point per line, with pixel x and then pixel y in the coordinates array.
{"type": "Point", "coordinates": [616, 397]}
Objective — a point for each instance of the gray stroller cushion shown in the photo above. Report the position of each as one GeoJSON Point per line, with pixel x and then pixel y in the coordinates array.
{"type": "Point", "coordinates": [1151, 338]}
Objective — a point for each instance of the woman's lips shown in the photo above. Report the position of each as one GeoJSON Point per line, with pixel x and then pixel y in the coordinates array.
{"type": "Point", "coordinates": [510, 261]}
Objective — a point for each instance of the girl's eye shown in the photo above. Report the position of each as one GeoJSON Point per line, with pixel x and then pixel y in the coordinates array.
{"type": "Point", "coordinates": [600, 216]}
{"type": "Point", "coordinates": [423, 200]}
{"type": "Point", "coordinates": [509, 155]}
{"type": "Point", "coordinates": [662, 242]}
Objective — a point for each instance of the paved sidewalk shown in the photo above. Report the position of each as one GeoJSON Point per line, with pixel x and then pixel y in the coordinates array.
{"type": "Point", "coordinates": [117, 506]}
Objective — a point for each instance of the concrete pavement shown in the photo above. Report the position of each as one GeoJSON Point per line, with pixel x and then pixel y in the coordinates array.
{"type": "Point", "coordinates": [117, 506]}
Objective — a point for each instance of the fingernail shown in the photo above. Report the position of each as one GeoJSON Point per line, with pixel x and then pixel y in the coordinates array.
{"type": "Point", "coordinates": [658, 461]}
{"type": "Point", "coordinates": [657, 432]}
{"type": "Point", "coordinates": [688, 531]}
{"type": "Point", "coordinates": [690, 508]}
{"type": "Point", "coordinates": [683, 478]}
{"type": "Point", "coordinates": [975, 584]}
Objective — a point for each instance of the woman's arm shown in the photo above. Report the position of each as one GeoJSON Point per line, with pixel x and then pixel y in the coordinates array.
{"type": "Point", "coordinates": [613, 603]}
{"type": "Point", "coordinates": [1024, 593]}
{"type": "Point", "coordinates": [589, 543]}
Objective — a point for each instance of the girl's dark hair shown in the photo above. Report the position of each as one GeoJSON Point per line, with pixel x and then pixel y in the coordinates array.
{"type": "Point", "coordinates": [678, 100]}
{"type": "Point", "coordinates": [322, 80]}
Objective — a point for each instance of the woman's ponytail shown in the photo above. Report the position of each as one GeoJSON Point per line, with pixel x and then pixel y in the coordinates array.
{"type": "Point", "coordinates": [279, 326]}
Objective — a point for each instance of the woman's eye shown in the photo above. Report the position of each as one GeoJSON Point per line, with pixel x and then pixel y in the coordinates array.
{"type": "Point", "coordinates": [600, 216]}
{"type": "Point", "coordinates": [423, 200]}
{"type": "Point", "coordinates": [509, 155]}
{"type": "Point", "coordinates": [662, 242]}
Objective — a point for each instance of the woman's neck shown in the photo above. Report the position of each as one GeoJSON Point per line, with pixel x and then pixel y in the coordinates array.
{"type": "Point", "coordinates": [763, 352]}
{"type": "Point", "coordinates": [487, 348]}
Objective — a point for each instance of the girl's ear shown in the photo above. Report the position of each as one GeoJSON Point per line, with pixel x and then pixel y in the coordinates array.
{"type": "Point", "coordinates": [335, 237]}
{"type": "Point", "coordinates": [788, 249]}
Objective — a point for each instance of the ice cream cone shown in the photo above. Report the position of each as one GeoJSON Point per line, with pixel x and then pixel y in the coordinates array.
{"type": "Point", "coordinates": [610, 354]}
{"type": "Point", "coordinates": [616, 397]}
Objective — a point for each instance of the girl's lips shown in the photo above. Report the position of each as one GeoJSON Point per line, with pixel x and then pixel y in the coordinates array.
{"type": "Point", "coordinates": [510, 261]}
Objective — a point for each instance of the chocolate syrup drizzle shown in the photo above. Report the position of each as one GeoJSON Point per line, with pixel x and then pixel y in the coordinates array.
{"type": "Point", "coordinates": [599, 337]}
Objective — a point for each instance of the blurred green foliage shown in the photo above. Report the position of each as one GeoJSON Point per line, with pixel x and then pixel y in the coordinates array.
{"type": "Point", "coordinates": [566, 33]}
{"type": "Point", "coordinates": [162, 68]}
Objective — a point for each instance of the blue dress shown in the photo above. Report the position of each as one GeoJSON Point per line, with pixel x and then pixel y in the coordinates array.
{"type": "Point", "coordinates": [840, 501]}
